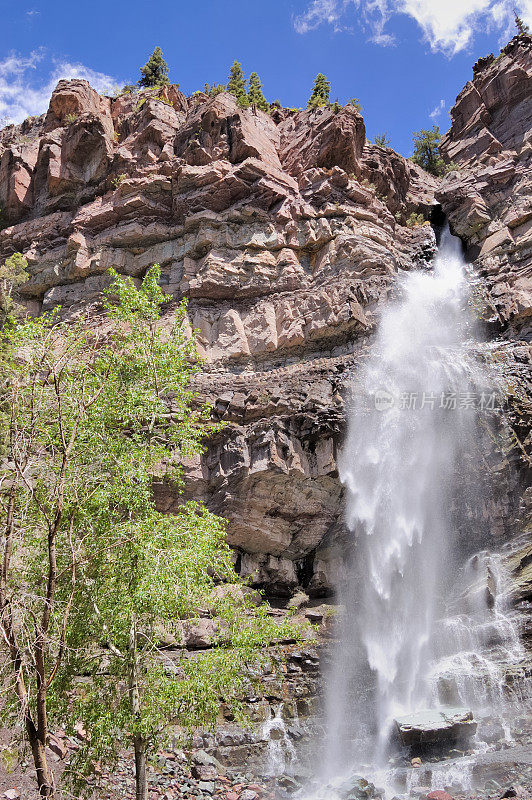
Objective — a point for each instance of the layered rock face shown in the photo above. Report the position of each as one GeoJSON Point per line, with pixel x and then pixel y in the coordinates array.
{"type": "Point", "coordinates": [285, 231]}
{"type": "Point", "coordinates": [489, 195]}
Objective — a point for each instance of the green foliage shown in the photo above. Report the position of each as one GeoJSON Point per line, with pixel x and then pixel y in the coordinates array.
{"type": "Point", "coordinates": [320, 92]}
{"type": "Point", "coordinates": [415, 220]}
{"type": "Point", "coordinates": [92, 413]}
{"type": "Point", "coordinates": [214, 89]}
{"type": "Point", "coordinates": [520, 24]}
{"type": "Point", "coordinates": [427, 151]}
{"type": "Point", "coordinates": [13, 273]}
{"type": "Point", "coordinates": [336, 106]}
{"type": "Point", "coordinates": [155, 70]}
{"type": "Point", "coordinates": [255, 95]}
{"type": "Point", "coordinates": [115, 183]}
{"type": "Point", "coordinates": [70, 118]}
{"type": "Point", "coordinates": [451, 167]}
{"type": "Point", "coordinates": [237, 84]}
{"type": "Point", "coordinates": [355, 102]}
{"type": "Point", "coordinates": [382, 140]}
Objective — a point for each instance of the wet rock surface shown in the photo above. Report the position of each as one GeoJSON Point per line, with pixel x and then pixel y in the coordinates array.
{"type": "Point", "coordinates": [431, 727]}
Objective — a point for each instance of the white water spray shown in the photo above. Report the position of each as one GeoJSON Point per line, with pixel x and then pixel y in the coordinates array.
{"type": "Point", "coordinates": [280, 750]}
{"type": "Point", "coordinates": [411, 424]}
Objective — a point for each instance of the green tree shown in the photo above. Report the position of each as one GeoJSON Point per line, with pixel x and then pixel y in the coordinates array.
{"type": "Point", "coordinates": [214, 89]}
{"type": "Point", "coordinates": [237, 84]}
{"type": "Point", "coordinates": [320, 93]}
{"type": "Point", "coordinates": [88, 415]}
{"type": "Point", "coordinates": [155, 70]}
{"type": "Point", "coordinates": [522, 27]}
{"type": "Point", "coordinates": [255, 95]}
{"type": "Point", "coordinates": [382, 140]}
{"type": "Point", "coordinates": [427, 151]}
{"type": "Point", "coordinates": [13, 273]}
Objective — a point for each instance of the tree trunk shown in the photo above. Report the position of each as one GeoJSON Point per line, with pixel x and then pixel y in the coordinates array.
{"type": "Point", "coordinates": [139, 742]}
{"type": "Point", "coordinates": [141, 779]}
{"type": "Point", "coordinates": [44, 776]}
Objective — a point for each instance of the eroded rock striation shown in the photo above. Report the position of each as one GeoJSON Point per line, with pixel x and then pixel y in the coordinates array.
{"type": "Point", "coordinates": [286, 232]}
{"type": "Point", "coordinates": [488, 194]}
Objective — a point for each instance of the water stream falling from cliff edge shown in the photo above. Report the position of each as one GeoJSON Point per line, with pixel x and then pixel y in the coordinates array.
{"type": "Point", "coordinates": [412, 421]}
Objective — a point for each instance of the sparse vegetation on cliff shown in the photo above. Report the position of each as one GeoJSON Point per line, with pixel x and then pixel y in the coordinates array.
{"type": "Point", "coordinates": [214, 89]}
{"type": "Point", "coordinates": [13, 273]}
{"type": "Point", "coordinates": [255, 94]}
{"type": "Point", "coordinates": [382, 140]}
{"type": "Point", "coordinates": [415, 220]}
{"type": "Point", "coordinates": [320, 93]}
{"type": "Point", "coordinates": [155, 70]}
{"type": "Point", "coordinates": [237, 84]}
{"type": "Point", "coordinates": [520, 24]}
{"type": "Point", "coordinates": [427, 151]}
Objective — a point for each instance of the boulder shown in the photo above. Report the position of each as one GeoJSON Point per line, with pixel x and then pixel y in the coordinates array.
{"type": "Point", "coordinates": [199, 634]}
{"type": "Point", "coordinates": [435, 727]}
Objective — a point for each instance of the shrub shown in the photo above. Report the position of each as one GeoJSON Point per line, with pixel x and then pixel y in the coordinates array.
{"type": "Point", "coordinates": [382, 140]}
{"type": "Point", "coordinates": [13, 273]}
{"type": "Point", "coordinates": [355, 102]}
{"type": "Point", "coordinates": [214, 89]}
{"type": "Point", "coordinates": [70, 118]}
{"type": "Point", "coordinates": [118, 180]}
{"type": "Point", "coordinates": [415, 220]}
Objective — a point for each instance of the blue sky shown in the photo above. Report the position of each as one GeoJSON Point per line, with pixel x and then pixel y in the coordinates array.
{"type": "Point", "coordinates": [406, 60]}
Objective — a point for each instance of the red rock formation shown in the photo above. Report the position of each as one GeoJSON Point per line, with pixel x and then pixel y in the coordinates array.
{"type": "Point", "coordinates": [286, 232]}
{"type": "Point", "coordinates": [488, 194]}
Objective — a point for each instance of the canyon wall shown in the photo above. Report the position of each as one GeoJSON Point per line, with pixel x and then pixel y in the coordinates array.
{"type": "Point", "coordinates": [286, 232]}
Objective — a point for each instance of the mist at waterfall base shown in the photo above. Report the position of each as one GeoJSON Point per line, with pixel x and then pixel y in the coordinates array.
{"type": "Point", "coordinates": [402, 646]}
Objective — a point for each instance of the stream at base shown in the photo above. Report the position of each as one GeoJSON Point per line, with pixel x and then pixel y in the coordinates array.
{"type": "Point", "coordinates": [426, 620]}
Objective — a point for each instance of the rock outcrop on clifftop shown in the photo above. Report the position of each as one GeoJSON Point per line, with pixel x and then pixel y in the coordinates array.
{"type": "Point", "coordinates": [286, 231]}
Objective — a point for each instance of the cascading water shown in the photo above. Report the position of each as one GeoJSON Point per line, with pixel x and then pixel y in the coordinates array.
{"type": "Point", "coordinates": [280, 750]}
{"type": "Point", "coordinates": [412, 421]}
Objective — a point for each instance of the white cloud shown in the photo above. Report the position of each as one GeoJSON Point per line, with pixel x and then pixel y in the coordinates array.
{"type": "Point", "coordinates": [25, 90]}
{"type": "Point", "coordinates": [438, 111]}
{"type": "Point", "coordinates": [448, 25]}
{"type": "Point", "coordinates": [318, 12]}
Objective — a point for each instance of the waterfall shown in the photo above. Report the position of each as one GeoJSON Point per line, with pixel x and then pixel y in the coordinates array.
{"type": "Point", "coordinates": [280, 750]}
{"type": "Point", "coordinates": [412, 424]}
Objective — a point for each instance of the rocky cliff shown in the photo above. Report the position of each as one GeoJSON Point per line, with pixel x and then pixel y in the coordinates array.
{"type": "Point", "coordinates": [286, 231]}
{"type": "Point", "coordinates": [488, 197]}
